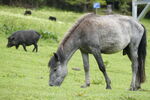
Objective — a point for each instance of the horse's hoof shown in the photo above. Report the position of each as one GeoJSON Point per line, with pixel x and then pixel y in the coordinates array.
{"type": "Point", "coordinates": [139, 87]}
{"type": "Point", "coordinates": [85, 85]}
{"type": "Point", "coordinates": [133, 89]}
{"type": "Point", "coordinates": [108, 87]}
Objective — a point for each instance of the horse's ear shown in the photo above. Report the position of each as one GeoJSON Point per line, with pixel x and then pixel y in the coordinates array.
{"type": "Point", "coordinates": [56, 56]}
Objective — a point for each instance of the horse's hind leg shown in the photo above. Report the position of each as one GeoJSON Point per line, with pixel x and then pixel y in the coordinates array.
{"type": "Point", "coordinates": [99, 60]}
{"type": "Point", "coordinates": [85, 58]}
{"type": "Point", "coordinates": [133, 55]}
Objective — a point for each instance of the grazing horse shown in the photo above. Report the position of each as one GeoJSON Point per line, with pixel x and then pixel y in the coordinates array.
{"type": "Point", "coordinates": [94, 34]}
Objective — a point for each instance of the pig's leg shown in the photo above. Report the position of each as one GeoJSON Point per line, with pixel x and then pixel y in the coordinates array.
{"type": "Point", "coordinates": [35, 47]}
{"type": "Point", "coordinates": [17, 46]}
{"type": "Point", "coordinates": [24, 47]}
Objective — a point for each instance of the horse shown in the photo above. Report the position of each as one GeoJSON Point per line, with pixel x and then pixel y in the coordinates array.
{"type": "Point", "coordinates": [95, 34]}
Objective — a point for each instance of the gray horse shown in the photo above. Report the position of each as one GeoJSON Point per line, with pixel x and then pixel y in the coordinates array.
{"type": "Point", "coordinates": [94, 34]}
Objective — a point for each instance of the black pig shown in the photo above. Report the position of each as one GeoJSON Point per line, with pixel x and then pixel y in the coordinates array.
{"type": "Point", "coordinates": [52, 18]}
{"type": "Point", "coordinates": [27, 12]}
{"type": "Point", "coordinates": [24, 38]}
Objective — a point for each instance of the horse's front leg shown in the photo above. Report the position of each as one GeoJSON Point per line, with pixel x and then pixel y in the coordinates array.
{"type": "Point", "coordinates": [85, 58]}
{"type": "Point", "coordinates": [101, 65]}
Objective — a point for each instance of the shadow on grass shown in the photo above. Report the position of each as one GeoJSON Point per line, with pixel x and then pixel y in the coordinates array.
{"type": "Point", "coordinates": [144, 90]}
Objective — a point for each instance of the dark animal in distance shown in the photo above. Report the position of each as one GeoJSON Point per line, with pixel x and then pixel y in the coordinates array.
{"type": "Point", "coordinates": [52, 18]}
{"type": "Point", "coordinates": [27, 12]}
{"type": "Point", "coordinates": [94, 34]}
{"type": "Point", "coordinates": [24, 38]}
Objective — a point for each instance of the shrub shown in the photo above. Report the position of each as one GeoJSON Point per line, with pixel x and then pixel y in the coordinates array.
{"type": "Point", "coordinates": [9, 29]}
{"type": "Point", "coordinates": [124, 8]}
{"type": "Point", "coordinates": [49, 35]}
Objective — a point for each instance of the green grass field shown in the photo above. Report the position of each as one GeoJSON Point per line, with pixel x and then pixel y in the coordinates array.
{"type": "Point", "coordinates": [25, 75]}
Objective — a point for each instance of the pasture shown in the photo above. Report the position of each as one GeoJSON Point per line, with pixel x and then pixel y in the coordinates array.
{"type": "Point", "coordinates": [25, 75]}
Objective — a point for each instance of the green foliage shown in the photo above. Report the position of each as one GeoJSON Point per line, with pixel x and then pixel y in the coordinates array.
{"type": "Point", "coordinates": [6, 29]}
{"type": "Point", "coordinates": [102, 2]}
{"type": "Point", "coordinates": [49, 35]}
{"type": "Point", "coordinates": [75, 5]}
{"type": "Point", "coordinates": [9, 28]}
{"type": "Point", "coordinates": [123, 1]}
{"type": "Point", "coordinates": [25, 3]}
{"type": "Point", "coordinates": [73, 2]}
{"type": "Point", "coordinates": [124, 8]}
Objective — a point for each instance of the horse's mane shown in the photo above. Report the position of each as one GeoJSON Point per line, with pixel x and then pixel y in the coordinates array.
{"type": "Point", "coordinates": [77, 23]}
{"type": "Point", "coordinates": [69, 32]}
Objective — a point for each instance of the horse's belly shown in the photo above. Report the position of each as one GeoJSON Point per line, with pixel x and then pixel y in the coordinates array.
{"type": "Point", "coordinates": [112, 47]}
{"type": "Point", "coordinates": [110, 50]}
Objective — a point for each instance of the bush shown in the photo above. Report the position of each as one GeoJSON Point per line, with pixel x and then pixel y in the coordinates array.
{"type": "Point", "coordinates": [49, 35]}
{"type": "Point", "coordinates": [9, 29]}
{"type": "Point", "coordinates": [125, 8]}
{"type": "Point", "coordinates": [6, 29]}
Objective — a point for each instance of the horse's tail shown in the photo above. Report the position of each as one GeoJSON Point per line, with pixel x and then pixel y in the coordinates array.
{"type": "Point", "coordinates": [142, 57]}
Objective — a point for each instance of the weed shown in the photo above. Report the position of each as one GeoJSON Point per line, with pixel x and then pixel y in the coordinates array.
{"type": "Point", "coordinates": [49, 35]}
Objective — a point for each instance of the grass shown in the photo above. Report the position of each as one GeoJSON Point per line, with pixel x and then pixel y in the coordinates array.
{"type": "Point", "coordinates": [25, 75]}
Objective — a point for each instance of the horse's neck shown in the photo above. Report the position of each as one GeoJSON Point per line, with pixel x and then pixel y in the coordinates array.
{"type": "Point", "coordinates": [69, 47]}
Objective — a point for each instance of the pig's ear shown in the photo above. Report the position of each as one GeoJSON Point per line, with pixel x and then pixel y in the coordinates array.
{"type": "Point", "coordinates": [11, 38]}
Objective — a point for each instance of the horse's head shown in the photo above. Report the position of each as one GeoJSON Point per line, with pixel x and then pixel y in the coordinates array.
{"type": "Point", "coordinates": [58, 70]}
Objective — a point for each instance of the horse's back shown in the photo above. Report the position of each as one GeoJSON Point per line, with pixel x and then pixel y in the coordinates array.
{"type": "Point", "coordinates": [110, 33]}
